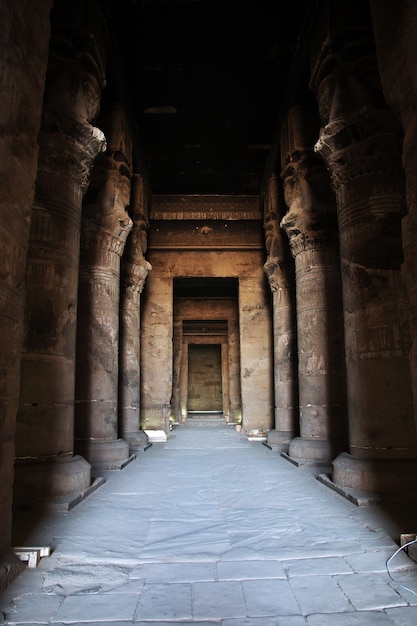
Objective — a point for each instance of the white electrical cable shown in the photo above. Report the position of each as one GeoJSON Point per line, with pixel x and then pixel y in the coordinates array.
{"type": "Point", "coordinates": [390, 559]}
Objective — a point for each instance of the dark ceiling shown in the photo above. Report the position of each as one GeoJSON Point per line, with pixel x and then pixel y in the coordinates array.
{"type": "Point", "coordinates": [206, 80]}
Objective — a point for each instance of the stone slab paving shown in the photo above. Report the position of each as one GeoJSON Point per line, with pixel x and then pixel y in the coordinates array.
{"type": "Point", "coordinates": [209, 529]}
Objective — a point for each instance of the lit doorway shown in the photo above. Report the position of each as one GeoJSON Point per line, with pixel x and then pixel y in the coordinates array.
{"type": "Point", "coordinates": [205, 379]}
{"type": "Point", "coordinates": [206, 330]}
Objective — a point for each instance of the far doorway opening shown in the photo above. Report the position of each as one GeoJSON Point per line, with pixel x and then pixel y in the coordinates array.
{"type": "Point", "coordinates": [206, 349]}
{"type": "Point", "coordinates": [205, 391]}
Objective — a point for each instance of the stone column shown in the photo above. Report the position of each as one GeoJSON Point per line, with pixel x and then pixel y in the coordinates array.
{"type": "Point", "coordinates": [256, 352]}
{"type": "Point", "coordinates": [177, 347]}
{"type": "Point", "coordinates": [235, 393]}
{"type": "Point", "coordinates": [311, 226]}
{"type": "Point", "coordinates": [105, 227]}
{"type": "Point", "coordinates": [23, 69]}
{"type": "Point", "coordinates": [183, 382]}
{"type": "Point", "coordinates": [156, 352]}
{"type": "Point", "coordinates": [361, 143]}
{"type": "Point", "coordinates": [134, 272]}
{"type": "Point", "coordinates": [395, 31]}
{"type": "Point", "coordinates": [225, 381]}
{"type": "Point", "coordinates": [279, 269]}
{"type": "Point", "coordinates": [46, 466]}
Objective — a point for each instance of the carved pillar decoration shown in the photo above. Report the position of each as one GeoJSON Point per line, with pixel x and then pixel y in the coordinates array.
{"type": "Point", "coordinates": [361, 144]}
{"type": "Point", "coordinates": [46, 466]}
{"type": "Point", "coordinates": [311, 226]}
{"type": "Point", "coordinates": [105, 227]}
{"type": "Point", "coordinates": [279, 269]}
{"type": "Point", "coordinates": [395, 28]}
{"type": "Point", "coordinates": [134, 272]}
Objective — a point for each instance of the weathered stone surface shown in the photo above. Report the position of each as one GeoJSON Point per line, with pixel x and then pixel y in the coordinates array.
{"type": "Point", "coordinates": [134, 271]}
{"type": "Point", "coordinates": [279, 269]}
{"type": "Point", "coordinates": [105, 227]}
{"type": "Point", "coordinates": [395, 36]}
{"type": "Point", "coordinates": [68, 146]}
{"type": "Point", "coordinates": [311, 225]}
{"type": "Point", "coordinates": [361, 142]}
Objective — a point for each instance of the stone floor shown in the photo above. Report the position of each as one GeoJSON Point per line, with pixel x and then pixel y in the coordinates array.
{"type": "Point", "coordinates": [209, 528]}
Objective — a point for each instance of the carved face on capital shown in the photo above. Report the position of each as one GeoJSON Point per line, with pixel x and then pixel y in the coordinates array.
{"type": "Point", "coordinates": [140, 234]}
{"type": "Point", "coordinates": [306, 182]}
{"type": "Point", "coordinates": [272, 235]}
{"type": "Point", "coordinates": [72, 90]}
{"type": "Point", "coordinates": [123, 182]}
{"type": "Point", "coordinates": [309, 197]}
{"type": "Point", "coordinates": [110, 185]}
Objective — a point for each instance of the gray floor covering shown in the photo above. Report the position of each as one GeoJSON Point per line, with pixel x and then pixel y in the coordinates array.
{"type": "Point", "coordinates": [209, 528]}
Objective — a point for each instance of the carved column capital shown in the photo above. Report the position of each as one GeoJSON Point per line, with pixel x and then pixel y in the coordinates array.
{"type": "Point", "coordinates": [138, 240]}
{"type": "Point", "coordinates": [370, 144]}
{"type": "Point", "coordinates": [107, 223]}
{"type": "Point", "coordinates": [68, 149]}
{"type": "Point", "coordinates": [134, 276]}
{"type": "Point", "coordinates": [279, 266]}
{"type": "Point", "coordinates": [135, 266]}
{"type": "Point", "coordinates": [279, 277]}
{"type": "Point", "coordinates": [359, 134]}
{"type": "Point", "coordinates": [75, 78]}
{"type": "Point", "coordinates": [311, 220]}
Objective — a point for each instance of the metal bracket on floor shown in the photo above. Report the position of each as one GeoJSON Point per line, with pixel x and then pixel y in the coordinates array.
{"type": "Point", "coordinates": [32, 555]}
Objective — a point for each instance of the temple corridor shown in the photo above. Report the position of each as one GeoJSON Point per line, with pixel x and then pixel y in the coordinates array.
{"type": "Point", "coordinates": [208, 310]}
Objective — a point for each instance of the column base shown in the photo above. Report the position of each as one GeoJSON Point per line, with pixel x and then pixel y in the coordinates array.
{"type": "Point", "coordinates": [65, 477]}
{"type": "Point", "coordinates": [105, 454]}
{"type": "Point", "coordinates": [314, 451]}
{"type": "Point", "coordinates": [138, 441]}
{"type": "Point", "coordinates": [386, 477]}
{"type": "Point", "coordinates": [278, 440]}
{"type": "Point", "coordinates": [155, 417]}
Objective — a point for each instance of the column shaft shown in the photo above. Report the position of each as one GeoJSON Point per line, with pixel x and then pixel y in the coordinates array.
{"type": "Point", "coordinates": [311, 225]}
{"type": "Point", "coordinates": [68, 147]}
{"type": "Point", "coordinates": [395, 37]}
{"type": "Point", "coordinates": [134, 272]}
{"type": "Point", "coordinates": [106, 225]}
{"type": "Point", "coordinates": [361, 142]}
{"type": "Point", "coordinates": [279, 269]}
{"type": "Point", "coordinates": [156, 357]}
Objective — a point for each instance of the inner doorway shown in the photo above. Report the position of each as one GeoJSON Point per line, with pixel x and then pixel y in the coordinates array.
{"type": "Point", "coordinates": [206, 349]}
{"type": "Point", "coordinates": [205, 393]}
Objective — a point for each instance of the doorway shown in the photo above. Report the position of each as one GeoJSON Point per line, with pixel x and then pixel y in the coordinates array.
{"type": "Point", "coordinates": [205, 379]}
